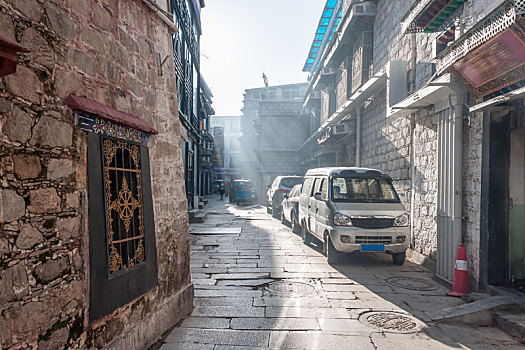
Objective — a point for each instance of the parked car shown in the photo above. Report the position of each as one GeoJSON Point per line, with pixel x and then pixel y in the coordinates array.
{"type": "Point", "coordinates": [290, 208]}
{"type": "Point", "coordinates": [242, 191]}
{"type": "Point", "coordinates": [276, 191]}
{"type": "Point", "coordinates": [353, 209]}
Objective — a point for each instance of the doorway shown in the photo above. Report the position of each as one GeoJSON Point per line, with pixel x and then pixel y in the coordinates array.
{"type": "Point", "coordinates": [517, 209]}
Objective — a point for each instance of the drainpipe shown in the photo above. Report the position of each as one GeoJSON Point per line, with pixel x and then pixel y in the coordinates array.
{"type": "Point", "coordinates": [413, 63]}
{"type": "Point", "coordinates": [412, 88]}
{"type": "Point", "coordinates": [457, 163]}
{"type": "Point", "coordinates": [412, 178]}
{"type": "Point", "coordinates": [358, 139]}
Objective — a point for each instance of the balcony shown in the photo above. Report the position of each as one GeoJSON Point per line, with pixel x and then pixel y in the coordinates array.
{"type": "Point", "coordinates": [429, 16]}
{"type": "Point", "coordinates": [472, 60]}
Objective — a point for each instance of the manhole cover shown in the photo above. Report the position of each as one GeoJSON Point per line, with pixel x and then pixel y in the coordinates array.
{"type": "Point", "coordinates": [290, 287]}
{"type": "Point", "coordinates": [412, 283]}
{"type": "Point", "coordinates": [392, 322]}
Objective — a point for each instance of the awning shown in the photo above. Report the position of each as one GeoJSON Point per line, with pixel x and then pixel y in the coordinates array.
{"type": "Point", "coordinates": [9, 50]}
{"type": "Point", "coordinates": [432, 93]}
{"type": "Point", "coordinates": [83, 104]}
{"type": "Point", "coordinates": [325, 30]}
{"type": "Point", "coordinates": [513, 95]}
{"type": "Point", "coordinates": [429, 16]}
{"type": "Point", "coordinates": [491, 55]}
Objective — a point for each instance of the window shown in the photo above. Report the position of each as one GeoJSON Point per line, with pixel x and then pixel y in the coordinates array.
{"type": "Point", "coordinates": [122, 247]}
{"type": "Point", "coordinates": [364, 189]}
{"type": "Point", "coordinates": [290, 182]}
{"type": "Point", "coordinates": [324, 189]}
{"type": "Point", "coordinates": [307, 186]}
{"type": "Point", "coordinates": [317, 183]}
{"type": "Point", "coordinates": [124, 205]}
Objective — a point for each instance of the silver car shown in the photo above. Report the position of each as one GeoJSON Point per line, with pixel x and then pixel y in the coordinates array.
{"type": "Point", "coordinates": [276, 192]}
{"type": "Point", "coordinates": [290, 209]}
{"type": "Point", "coordinates": [353, 209]}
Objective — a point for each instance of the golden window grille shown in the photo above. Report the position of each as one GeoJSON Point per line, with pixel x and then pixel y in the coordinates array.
{"type": "Point", "coordinates": [124, 204]}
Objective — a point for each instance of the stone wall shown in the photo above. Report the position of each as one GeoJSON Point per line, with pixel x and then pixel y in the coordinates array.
{"type": "Point", "coordinates": [472, 150]}
{"type": "Point", "coordinates": [386, 144]}
{"type": "Point", "coordinates": [106, 51]}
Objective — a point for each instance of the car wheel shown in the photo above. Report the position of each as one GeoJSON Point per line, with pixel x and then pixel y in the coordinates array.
{"type": "Point", "coordinates": [307, 238]}
{"type": "Point", "coordinates": [332, 255]}
{"type": "Point", "coordinates": [275, 212]}
{"type": "Point", "coordinates": [283, 219]}
{"type": "Point", "coordinates": [238, 203]}
{"type": "Point", "coordinates": [399, 258]}
{"type": "Point", "coordinates": [295, 226]}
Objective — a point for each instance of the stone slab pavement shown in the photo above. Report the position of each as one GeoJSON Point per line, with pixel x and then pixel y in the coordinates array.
{"type": "Point", "coordinates": [257, 286]}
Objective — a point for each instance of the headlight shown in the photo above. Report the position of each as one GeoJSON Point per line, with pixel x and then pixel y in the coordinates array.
{"type": "Point", "coordinates": [401, 220]}
{"type": "Point", "coordinates": [342, 220]}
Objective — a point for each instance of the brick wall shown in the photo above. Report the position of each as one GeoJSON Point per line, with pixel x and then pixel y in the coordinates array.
{"type": "Point", "coordinates": [106, 51]}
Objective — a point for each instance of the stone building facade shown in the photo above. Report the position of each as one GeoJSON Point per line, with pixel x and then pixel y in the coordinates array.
{"type": "Point", "coordinates": [418, 119]}
{"type": "Point", "coordinates": [271, 134]}
{"type": "Point", "coordinates": [231, 125]}
{"type": "Point", "coordinates": [91, 68]}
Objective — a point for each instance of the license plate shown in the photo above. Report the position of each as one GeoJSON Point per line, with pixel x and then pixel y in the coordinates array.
{"type": "Point", "coordinates": [372, 247]}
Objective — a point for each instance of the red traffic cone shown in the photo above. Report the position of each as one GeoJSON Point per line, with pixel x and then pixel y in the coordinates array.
{"type": "Point", "coordinates": [460, 284]}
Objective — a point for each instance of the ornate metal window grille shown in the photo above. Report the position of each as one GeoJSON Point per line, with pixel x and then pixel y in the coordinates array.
{"type": "Point", "coordinates": [124, 204]}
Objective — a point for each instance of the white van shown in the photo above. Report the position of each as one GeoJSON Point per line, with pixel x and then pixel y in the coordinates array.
{"type": "Point", "coordinates": [353, 209]}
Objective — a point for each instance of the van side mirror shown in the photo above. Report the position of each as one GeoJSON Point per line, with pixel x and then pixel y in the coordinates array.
{"type": "Point", "coordinates": [286, 195]}
{"type": "Point", "coordinates": [269, 186]}
{"type": "Point", "coordinates": [318, 196]}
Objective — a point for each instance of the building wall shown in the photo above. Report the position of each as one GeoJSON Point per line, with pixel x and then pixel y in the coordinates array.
{"type": "Point", "coordinates": [105, 51]}
{"type": "Point", "coordinates": [279, 136]}
{"type": "Point", "coordinates": [386, 145]}
{"type": "Point", "coordinates": [472, 151]}
{"type": "Point", "coordinates": [232, 146]}
{"type": "Point", "coordinates": [393, 138]}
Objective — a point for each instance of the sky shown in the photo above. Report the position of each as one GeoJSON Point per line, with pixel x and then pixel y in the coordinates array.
{"type": "Point", "coordinates": [241, 39]}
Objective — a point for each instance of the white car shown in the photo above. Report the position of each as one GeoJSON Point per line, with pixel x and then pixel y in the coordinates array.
{"type": "Point", "coordinates": [353, 209]}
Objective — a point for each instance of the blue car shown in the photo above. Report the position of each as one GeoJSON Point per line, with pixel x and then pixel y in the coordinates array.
{"type": "Point", "coordinates": [242, 191]}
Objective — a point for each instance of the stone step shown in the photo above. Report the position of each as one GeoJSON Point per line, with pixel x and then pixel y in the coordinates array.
{"type": "Point", "coordinates": [196, 216]}
{"type": "Point", "coordinates": [479, 313]}
{"type": "Point", "coordinates": [201, 205]}
{"type": "Point", "coordinates": [512, 323]}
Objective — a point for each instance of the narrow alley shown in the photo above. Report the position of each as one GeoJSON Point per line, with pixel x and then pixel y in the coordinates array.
{"type": "Point", "coordinates": [257, 286]}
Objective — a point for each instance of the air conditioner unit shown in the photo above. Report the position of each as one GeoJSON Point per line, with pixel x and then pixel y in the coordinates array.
{"type": "Point", "coordinates": [328, 71]}
{"type": "Point", "coordinates": [342, 128]}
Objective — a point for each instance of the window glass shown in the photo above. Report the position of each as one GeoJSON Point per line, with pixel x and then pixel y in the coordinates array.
{"type": "Point", "coordinates": [364, 189]}
{"type": "Point", "coordinates": [324, 189]}
{"type": "Point", "coordinates": [290, 181]}
{"type": "Point", "coordinates": [307, 185]}
{"type": "Point", "coordinates": [317, 183]}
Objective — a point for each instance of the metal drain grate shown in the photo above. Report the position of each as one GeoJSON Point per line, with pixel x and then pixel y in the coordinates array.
{"type": "Point", "coordinates": [412, 283]}
{"type": "Point", "coordinates": [290, 287]}
{"type": "Point", "coordinates": [392, 322]}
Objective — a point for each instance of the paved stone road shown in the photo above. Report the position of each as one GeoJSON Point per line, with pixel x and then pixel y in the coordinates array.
{"type": "Point", "coordinates": [258, 287]}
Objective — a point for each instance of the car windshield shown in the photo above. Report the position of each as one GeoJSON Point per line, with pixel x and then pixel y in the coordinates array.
{"type": "Point", "coordinates": [369, 189]}
{"type": "Point", "coordinates": [291, 181]}
{"type": "Point", "coordinates": [245, 186]}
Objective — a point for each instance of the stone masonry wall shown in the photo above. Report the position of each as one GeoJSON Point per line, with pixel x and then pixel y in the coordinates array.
{"type": "Point", "coordinates": [472, 150]}
{"type": "Point", "coordinates": [424, 238]}
{"type": "Point", "coordinates": [386, 143]}
{"type": "Point", "coordinates": [106, 51]}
